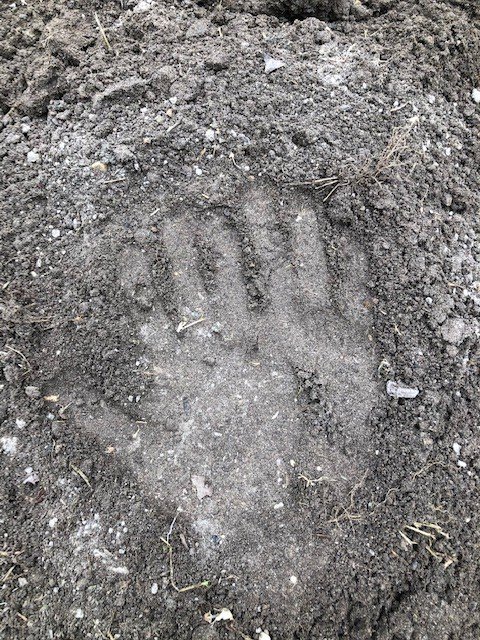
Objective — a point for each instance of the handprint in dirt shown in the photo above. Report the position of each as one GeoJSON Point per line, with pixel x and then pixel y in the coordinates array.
{"type": "Point", "coordinates": [259, 349]}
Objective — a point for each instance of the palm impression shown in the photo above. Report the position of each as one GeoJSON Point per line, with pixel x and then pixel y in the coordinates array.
{"type": "Point", "coordinates": [263, 372]}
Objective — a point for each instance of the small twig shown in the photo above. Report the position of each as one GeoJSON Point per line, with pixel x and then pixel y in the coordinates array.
{"type": "Point", "coordinates": [114, 180]}
{"type": "Point", "coordinates": [80, 473]}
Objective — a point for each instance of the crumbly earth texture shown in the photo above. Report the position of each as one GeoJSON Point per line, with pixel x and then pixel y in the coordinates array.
{"type": "Point", "coordinates": [225, 227]}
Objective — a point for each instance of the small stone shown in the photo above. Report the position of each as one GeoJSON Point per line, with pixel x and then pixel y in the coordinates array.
{"type": "Point", "coordinates": [22, 582]}
{"type": "Point", "coordinates": [397, 390]}
{"type": "Point", "coordinates": [56, 233]}
{"type": "Point", "coordinates": [32, 392]}
{"type": "Point", "coordinates": [79, 614]}
{"type": "Point", "coordinates": [9, 445]}
{"type": "Point", "coordinates": [33, 156]}
{"type": "Point", "coordinates": [476, 95]}
{"type": "Point", "coordinates": [31, 476]}
{"type": "Point", "coordinates": [293, 579]}
{"type": "Point", "coordinates": [453, 330]}
{"type": "Point", "coordinates": [99, 166]}
{"type": "Point", "coordinates": [272, 64]}
{"type": "Point", "coordinates": [20, 423]}
{"type": "Point", "coordinates": [210, 135]}
{"type": "Point", "coordinates": [143, 6]}
{"type": "Point", "coordinates": [198, 29]}
{"type": "Point", "coordinates": [457, 448]}
{"type": "Point", "coordinates": [462, 464]}
{"type": "Point", "coordinates": [154, 588]}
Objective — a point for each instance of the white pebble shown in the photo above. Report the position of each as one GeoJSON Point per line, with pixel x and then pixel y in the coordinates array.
{"type": "Point", "coordinates": [9, 445]}
{"type": "Point", "coordinates": [154, 588]}
{"type": "Point", "coordinates": [33, 156]}
{"type": "Point", "coordinates": [20, 423]}
{"type": "Point", "coordinates": [79, 614]}
{"type": "Point", "coordinates": [476, 95]}
{"type": "Point", "coordinates": [210, 135]}
{"type": "Point", "coordinates": [462, 464]}
{"type": "Point", "coordinates": [293, 579]}
{"type": "Point", "coordinates": [277, 506]}
{"type": "Point", "coordinates": [22, 582]}
{"type": "Point", "coordinates": [457, 448]}
{"type": "Point", "coordinates": [56, 233]}
{"type": "Point", "coordinates": [52, 522]}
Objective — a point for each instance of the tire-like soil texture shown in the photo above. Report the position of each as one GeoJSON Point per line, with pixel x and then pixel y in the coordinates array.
{"type": "Point", "coordinates": [225, 228]}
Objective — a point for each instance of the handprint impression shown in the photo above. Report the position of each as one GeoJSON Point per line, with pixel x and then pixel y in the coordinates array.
{"type": "Point", "coordinates": [263, 372]}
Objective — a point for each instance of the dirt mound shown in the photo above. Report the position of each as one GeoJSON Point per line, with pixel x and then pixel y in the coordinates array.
{"type": "Point", "coordinates": [225, 229]}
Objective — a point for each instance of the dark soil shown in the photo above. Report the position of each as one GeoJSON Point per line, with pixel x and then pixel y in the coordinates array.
{"type": "Point", "coordinates": [209, 272]}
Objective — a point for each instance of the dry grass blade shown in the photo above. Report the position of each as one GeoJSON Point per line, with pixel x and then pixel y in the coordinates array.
{"type": "Point", "coordinates": [102, 32]}
{"type": "Point", "coordinates": [190, 587]}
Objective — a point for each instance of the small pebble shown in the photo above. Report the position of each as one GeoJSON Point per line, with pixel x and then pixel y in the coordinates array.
{"type": "Point", "coordinates": [9, 445]}
{"type": "Point", "coordinates": [32, 392]}
{"type": "Point", "coordinates": [154, 588]}
{"type": "Point", "coordinates": [56, 233]}
{"type": "Point", "coordinates": [457, 448]}
{"type": "Point", "coordinates": [33, 156]}
{"type": "Point", "coordinates": [210, 135]}
{"type": "Point", "coordinates": [476, 95]}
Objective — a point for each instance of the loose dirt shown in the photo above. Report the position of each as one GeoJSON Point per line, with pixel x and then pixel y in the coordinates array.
{"type": "Point", "coordinates": [212, 265]}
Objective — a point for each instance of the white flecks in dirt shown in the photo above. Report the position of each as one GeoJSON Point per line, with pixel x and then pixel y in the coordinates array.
{"type": "Point", "coordinates": [154, 588]}
{"type": "Point", "coordinates": [294, 580]}
{"type": "Point", "coordinates": [56, 233]}
{"type": "Point", "coordinates": [52, 522]}
{"type": "Point", "coordinates": [457, 448]}
{"type": "Point", "coordinates": [20, 423]}
{"type": "Point", "coordinates": [9, 445]}
{"type": "Point", "coordinates": [78, 613]}
{"type": "Point", "coordinates": [397, 390]}
{"type": "Point", "coordinates": [264, 635]}
{"type": "Point", "coordinates": [22, 582]}
{"type": "Point", "coordinates": [476, 95]}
